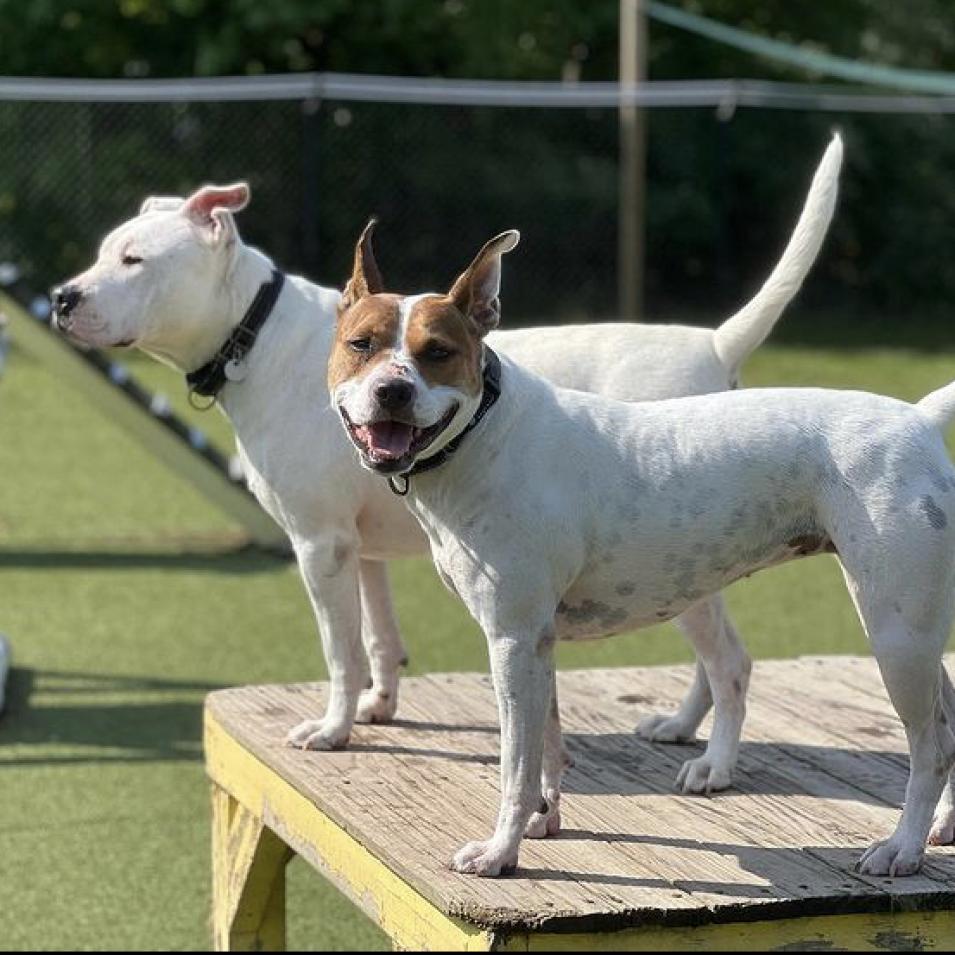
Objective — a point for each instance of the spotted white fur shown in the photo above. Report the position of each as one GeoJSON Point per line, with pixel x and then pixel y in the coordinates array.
{"type": "Point", "coordinates": [571, 515]}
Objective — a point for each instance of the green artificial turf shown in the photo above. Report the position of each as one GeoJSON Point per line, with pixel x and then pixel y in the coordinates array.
{"type": "Point", "coordinates": [126, 600]}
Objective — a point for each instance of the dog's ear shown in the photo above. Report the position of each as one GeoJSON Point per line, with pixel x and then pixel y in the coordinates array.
{"type": "Point", "coordinates": [475, 291]}
{"type": "Point", "coordinates": [212, 208]}
{"type": "Point", "coordinates": [365, 277]}
{"type": "Point", "coordinates": [161, 204]}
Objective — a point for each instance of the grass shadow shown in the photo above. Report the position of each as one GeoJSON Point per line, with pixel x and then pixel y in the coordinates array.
{"type": "Point", "coordinates": [242, 560]}
{"type": "Point", "coordinates": [90, 718]}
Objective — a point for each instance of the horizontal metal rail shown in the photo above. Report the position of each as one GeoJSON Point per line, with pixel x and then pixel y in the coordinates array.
{"type": "Point", "coordinates": [351, 87]}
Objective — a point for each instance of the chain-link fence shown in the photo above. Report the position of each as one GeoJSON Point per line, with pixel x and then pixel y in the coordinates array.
{"type": "Point", "coordinates": [723, 188]}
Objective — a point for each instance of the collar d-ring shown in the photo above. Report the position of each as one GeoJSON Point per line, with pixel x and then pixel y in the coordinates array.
{"type": "Point", "coordinates": [399, 484]}
{"type": "Point", "coordinates": [194, 401]}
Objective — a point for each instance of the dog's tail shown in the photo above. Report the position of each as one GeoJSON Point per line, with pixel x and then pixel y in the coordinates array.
{"type": "Point", "coordinates": [939, 406]}
{"type": "Point", "coordinates": [741, 334]}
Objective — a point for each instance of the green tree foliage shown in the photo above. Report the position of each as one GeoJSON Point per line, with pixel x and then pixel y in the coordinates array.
{"type": "Point", "coordinates": [160, 38]}
{"type": "Point", "coordinates": [721, 194]}
{"type": "Point", "coordinates": [518, 39]}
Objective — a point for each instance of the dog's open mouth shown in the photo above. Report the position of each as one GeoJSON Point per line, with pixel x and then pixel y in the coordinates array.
{"type": "Point", "coordinates": [392, 446]}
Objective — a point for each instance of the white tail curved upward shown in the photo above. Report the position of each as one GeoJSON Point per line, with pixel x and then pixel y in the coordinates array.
{"type": "Point", "coordinates": [939, 406]}
{"type": "Point", "coordinates": [741, 334]}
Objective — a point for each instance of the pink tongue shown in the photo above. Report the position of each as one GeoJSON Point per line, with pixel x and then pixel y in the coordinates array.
{"type": "Point", "coordinates": [389, 438]}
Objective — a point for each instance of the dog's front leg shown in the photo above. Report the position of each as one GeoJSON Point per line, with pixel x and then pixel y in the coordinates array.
{"type": "Point", "coordinates": [382, 640]}
{"type": "Point", "coordinates": [329, 566]}
{"type": "Point", "coordinates": [522, 666]}
{"type": "Point", "coordinates": [546, 818]}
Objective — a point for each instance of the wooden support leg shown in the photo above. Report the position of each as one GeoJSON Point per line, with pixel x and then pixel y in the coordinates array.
{"type": "Point", "coordinates": [248, 879]}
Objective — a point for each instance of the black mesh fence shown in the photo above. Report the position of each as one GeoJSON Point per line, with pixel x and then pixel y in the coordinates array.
{"type": "Point", "coordinates": [723, 192]}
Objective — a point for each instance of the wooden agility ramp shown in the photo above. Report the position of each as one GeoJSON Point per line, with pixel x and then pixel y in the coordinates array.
{"type": "Point", "coordinates": [109, 386]}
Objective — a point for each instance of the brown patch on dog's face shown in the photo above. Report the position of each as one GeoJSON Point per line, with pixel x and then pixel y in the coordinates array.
{"type": "Point", "coordinates": [366, 335]}
{"type": "Point", "coordinates": [400, 372]}
{"type": "Point", "coordinates": [444, 345]}
{"type": "Point", "coordinates": [405, 371]}
{"type": "Point", "coordinates": [441, 335]}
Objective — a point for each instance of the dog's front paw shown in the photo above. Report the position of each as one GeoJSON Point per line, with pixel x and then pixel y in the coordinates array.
{"type": "Point", "coordinates": [376, 706]}
{"type": "Point", "coordinates": [660, 728]}
{"type": "Point", "coordinates": [485, 859]}
{"type": "Point", "coordinates": [317, 734]}
{"type": "Point", "coordinates": [702, 776]}
{"type": "Point", "coordinates": [891, 859]}
{"type": "Point", "coordinates": [943, 828]}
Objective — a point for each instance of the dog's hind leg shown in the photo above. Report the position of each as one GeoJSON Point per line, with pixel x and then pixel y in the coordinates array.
{"type": "Point", "coordinates": [943, 824]}
{"type": "Point", "coordinates": [908, 647]}
{"type": "Point", "coordinates": [383, 647]}
{"type": "Point", "coordinates": [915, 689]}
{"type": "Point", "coordinates": [721, 680]}
{"type": "Point", "coordinates": [897, 553]}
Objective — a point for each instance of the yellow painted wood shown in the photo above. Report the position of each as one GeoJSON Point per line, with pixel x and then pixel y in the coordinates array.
{"type": "Point", "coordinates": [902, 931]}
{"type": "Point", "coordinates": [410, 920]}
{"type": "Point", "coordinates": [248, 879]}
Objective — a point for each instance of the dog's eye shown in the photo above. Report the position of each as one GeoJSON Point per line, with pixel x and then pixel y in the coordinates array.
{"type": "Point", "coordinates": [131, 259]}
{"type": "Point", "coordinates": [360, 345]}
{"type": "Point", "coordinates": [435, 352]}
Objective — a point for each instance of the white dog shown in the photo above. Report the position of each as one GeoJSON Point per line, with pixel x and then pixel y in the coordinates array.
{"type": "Point", "coordinates": [558, 514]}
{"type": "Point", "coordinates": [176, 281]}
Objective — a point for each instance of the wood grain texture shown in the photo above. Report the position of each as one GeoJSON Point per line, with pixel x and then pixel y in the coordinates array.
{"type": "Point", "coordinates": [822, 773]}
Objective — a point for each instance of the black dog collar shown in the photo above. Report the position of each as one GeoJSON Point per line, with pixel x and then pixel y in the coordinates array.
{"type": "Point", "coordinates": [492, 391]}
{"type": "Point", "coordinates": [226, 364]}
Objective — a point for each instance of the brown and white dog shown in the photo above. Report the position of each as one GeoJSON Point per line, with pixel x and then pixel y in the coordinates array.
{"type": "Point", "coordinates": [568, 515]}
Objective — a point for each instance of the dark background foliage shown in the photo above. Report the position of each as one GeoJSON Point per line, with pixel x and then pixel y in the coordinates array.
{"type": "Point", "coordinates": [722, 195]}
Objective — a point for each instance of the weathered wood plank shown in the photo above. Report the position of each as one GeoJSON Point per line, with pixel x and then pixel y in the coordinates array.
{"type": "Point", "coordinates": [778, 802]}
{"type": "Point", "coordinates": [414, 820]}
{"type": "Point", "coordinates": [810, 796]}
{"type": "Point", "coordinates": [804, 786]}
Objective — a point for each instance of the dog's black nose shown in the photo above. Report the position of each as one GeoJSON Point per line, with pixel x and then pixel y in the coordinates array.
{"type": "Point", "coordinates": [394, 394]}
{"type": "Point", "coordinates": [65, 299]}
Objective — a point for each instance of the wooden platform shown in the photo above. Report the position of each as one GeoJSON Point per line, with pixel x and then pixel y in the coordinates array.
{"type": "Point", "coordinates": [766, 864]}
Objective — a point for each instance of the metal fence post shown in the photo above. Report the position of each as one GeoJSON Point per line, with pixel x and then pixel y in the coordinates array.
{"type": "Point", "coordinates": [630, 229]}
{"type": "Point", "coordinates": [311, 156]}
